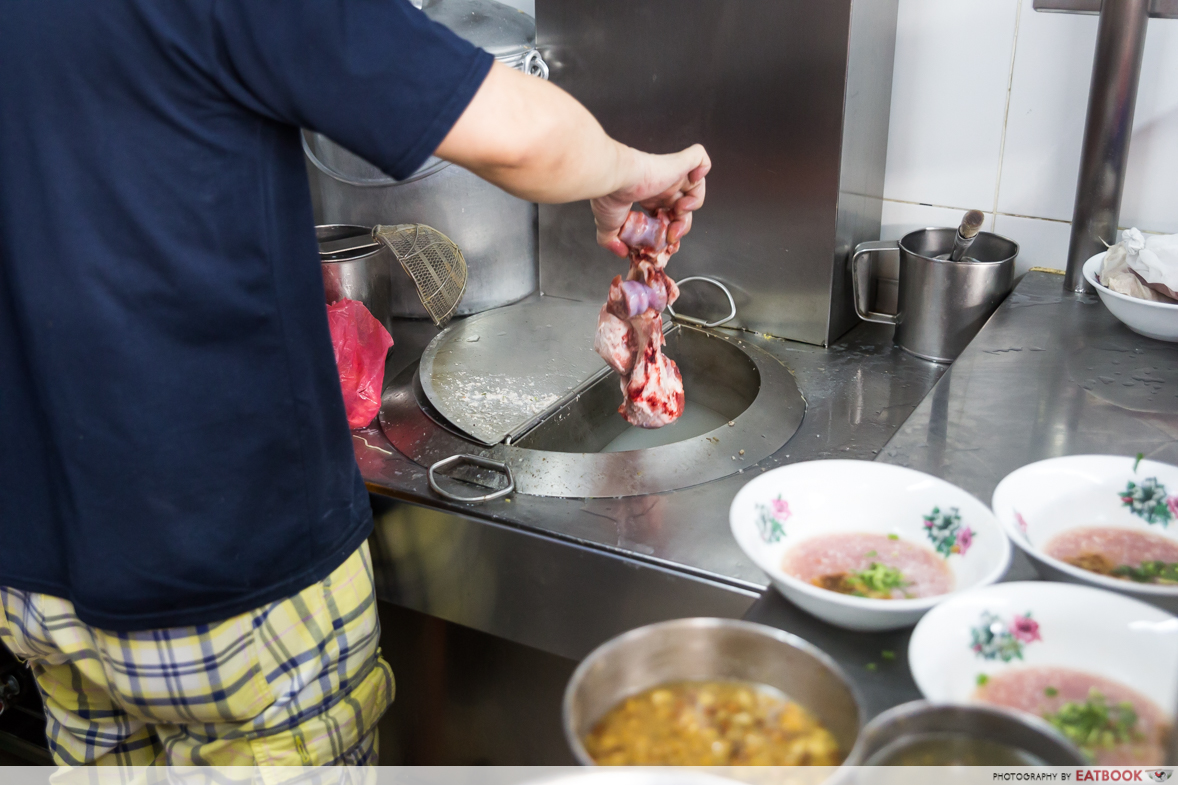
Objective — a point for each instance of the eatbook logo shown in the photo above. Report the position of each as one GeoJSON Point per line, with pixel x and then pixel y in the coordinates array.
{"type": "Point", "coordinates": [1161, 775]}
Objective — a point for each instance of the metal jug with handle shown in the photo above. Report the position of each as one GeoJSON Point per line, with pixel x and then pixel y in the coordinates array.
{"type": "Point", "coordinates": [941, 305]}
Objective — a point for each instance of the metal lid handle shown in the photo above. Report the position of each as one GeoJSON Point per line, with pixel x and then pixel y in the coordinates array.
{"type": "Point", "coordinates": [533, 64]}
{"type": "Point", "coordinates": [700, 322]}
{"type": "Point", "coordinates": [477, 460]}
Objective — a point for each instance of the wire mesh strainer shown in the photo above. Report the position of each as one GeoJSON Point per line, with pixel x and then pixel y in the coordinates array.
{"type": "Point", "coordinates": [433, 261]}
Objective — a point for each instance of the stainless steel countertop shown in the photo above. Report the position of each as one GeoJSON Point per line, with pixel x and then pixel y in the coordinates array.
{"type": "Point", "coordinates": [858, 393]}
{"type": "Point", "coordinates": [1051, 374]}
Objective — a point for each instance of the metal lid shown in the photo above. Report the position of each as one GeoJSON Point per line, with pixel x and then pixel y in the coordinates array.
{"type": "Point", "coordinates": [494, 373]}
{"type": "Point", "coordinates": [503, 31]}
{"type": "Point", "coordinates": [327, 233]}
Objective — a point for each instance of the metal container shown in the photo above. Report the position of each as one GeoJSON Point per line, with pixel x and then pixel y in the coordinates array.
{"type": "Point", "coordinates": [358, 275]}
{"type": "Point", "coordinates": [941, 304]}
{"type": "Point", "coordinates": [633, 777]}
{"type": "Point", "coordinates": [495, 230]}
{"type": "Point", "coordinates": [919, 720]}
{"type": "Point", "coordinates": [709, 649]}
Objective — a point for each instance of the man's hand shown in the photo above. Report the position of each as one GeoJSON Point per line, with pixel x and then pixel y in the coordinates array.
{"type": "Point", "coordinates": [536, 141]}
{"type": "Point", "coordinates": [674, 182]}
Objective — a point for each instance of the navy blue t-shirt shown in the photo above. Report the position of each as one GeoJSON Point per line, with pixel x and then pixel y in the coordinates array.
{"type": "Point", "coordinates": [173, 444]}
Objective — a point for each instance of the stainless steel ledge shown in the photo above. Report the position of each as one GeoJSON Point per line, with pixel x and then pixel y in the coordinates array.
{"type": "Point", "coordinates": [552, 595]}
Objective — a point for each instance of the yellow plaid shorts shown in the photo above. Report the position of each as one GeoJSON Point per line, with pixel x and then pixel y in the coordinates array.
{"type": "Point", "coordinates": [298, 682]}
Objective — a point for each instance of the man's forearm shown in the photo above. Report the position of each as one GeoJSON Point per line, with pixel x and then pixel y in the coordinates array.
{"type": "Point", "coordinates": [535, 141]}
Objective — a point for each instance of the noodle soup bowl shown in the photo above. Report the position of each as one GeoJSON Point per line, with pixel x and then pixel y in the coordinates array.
{"type": "Point", "coordinates": [985, 636]}
{"type": "Point", "coordinates": [1046, 499]}
{"type": "Point", "coordinates": [793, 506]}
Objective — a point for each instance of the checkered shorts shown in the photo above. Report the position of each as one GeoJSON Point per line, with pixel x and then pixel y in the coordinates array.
{"type": "Point", "coordinates": [299, 682]}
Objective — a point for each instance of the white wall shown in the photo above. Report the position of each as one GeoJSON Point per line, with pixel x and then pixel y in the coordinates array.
{"type": "Point", "coordinates": [988, 105]}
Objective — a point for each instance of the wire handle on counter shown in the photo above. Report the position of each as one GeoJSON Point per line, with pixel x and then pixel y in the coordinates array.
{"type": "Point", "coordinates": [477, 460]}
{"type": "Point", "coordinates": [700, 322]}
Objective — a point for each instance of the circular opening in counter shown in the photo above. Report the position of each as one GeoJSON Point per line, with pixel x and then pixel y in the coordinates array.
{"type": "Point", "coordinates": [577, 452]}
{"type": "Point", "coordinates": [720, 382]}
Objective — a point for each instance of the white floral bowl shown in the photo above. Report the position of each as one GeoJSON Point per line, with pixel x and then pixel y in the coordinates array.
{"type": "Point", "coordinates": [1043, 499]}
{"type": "Point", "coordinates": [785, 507]}
{"type": "Point", "coordinates": [982, 634]}
{"type": "Point", "coordinates": [1145, 317]}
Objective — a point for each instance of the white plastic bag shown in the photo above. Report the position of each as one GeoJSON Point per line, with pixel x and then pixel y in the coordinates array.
{"type": "Point", "coordinates": [1157, 263]}
{"type": "Point", "coordinates": [1145, 269]}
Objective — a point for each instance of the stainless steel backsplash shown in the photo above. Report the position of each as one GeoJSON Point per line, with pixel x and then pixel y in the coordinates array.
{"type": "Point", "coordinates": [791, 98]}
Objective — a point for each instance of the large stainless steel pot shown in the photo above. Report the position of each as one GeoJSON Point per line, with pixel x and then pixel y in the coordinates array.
{"type": "Point", "coordinates": [496, 232]}
{"type": "Point", "coordinates": [709, 649]}
{"type": "Point", "coordinates": [912, 722]}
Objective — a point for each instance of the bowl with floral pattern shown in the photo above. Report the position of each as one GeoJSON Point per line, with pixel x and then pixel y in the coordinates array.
{"type": "Point", "coordinates": [1100, 667]}
{"type": "Point", "coordinates": [1104, 520]}
{"type": "Point", "coordinates": [864, 545]}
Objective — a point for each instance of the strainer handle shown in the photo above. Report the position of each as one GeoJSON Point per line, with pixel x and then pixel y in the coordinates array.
{"type": "Point", "coordinates": [477, 460]}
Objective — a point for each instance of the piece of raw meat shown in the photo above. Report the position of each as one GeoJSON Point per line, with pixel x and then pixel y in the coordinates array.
{"type": "Point", "coordinates": [630, 326]}
{"type": "Point", "coordinates": [614, 340]}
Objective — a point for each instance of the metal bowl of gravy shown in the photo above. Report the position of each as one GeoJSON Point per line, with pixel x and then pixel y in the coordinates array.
{"type": "Point", "coordinates": [710, 650]}
{"type": "Point", "coordinates": [927, 734]}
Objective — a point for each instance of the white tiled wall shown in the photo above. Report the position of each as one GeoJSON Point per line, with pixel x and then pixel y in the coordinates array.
{"type": "Point", "coordinates": [988, 105]}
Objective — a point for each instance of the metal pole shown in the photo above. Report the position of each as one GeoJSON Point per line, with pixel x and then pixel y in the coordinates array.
{"type": "Point", "coordinates": [1120, 42]}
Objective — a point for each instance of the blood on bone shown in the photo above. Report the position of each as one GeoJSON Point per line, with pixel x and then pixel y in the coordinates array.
{"type": "Point", "coordinates": [630, 325]}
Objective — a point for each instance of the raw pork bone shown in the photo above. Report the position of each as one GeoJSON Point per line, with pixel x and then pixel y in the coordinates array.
{"type": "Point", "coordinates": [630, 326]}
{"type": "Point", "coordinates": [615, 339]}
{"type": "Point", "coordinates": [654, 389]}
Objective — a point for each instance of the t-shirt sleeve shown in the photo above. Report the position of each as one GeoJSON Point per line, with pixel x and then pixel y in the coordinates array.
{"type": "Point", "coordinates": [377, 76]}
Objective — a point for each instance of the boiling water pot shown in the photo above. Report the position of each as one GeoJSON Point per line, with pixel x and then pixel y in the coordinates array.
{"type": "Point", "coordinates": [495, 231]}
{"type": "Point", "coordinates": [941, 304]}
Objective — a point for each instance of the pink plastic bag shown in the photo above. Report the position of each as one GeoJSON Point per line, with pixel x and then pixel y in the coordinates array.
{"type": "Point", "coordinates": [361, 344]}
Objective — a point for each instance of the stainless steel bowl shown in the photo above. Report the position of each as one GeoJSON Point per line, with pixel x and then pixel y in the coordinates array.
{"type": "Point", "coordinates": [709, 649]}
{"type": "Point", "coordinates": [910, 722]}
